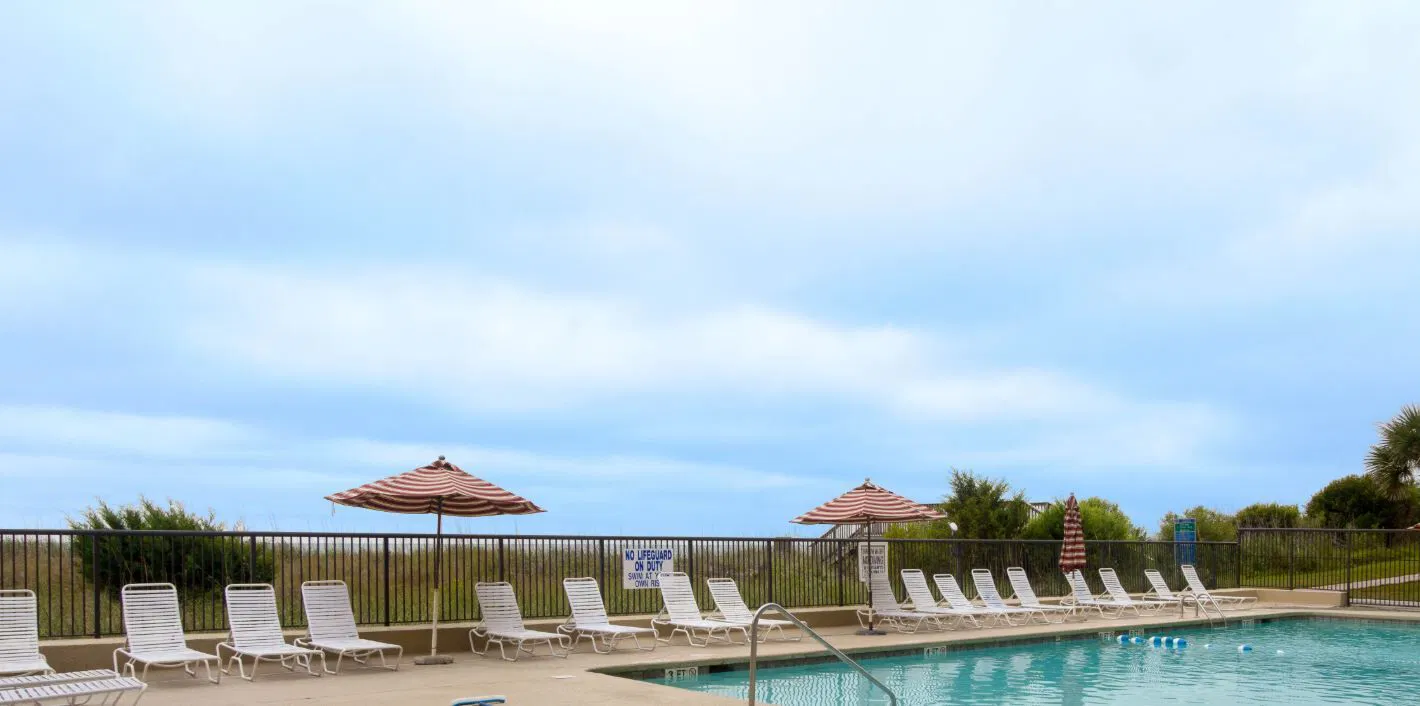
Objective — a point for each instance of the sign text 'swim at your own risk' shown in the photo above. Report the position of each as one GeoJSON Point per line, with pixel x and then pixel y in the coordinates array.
{"type": "Point", "coordinates": [639, 567]}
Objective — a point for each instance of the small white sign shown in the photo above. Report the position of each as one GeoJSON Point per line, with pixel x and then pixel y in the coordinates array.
{"type": "Point", "coordinates": [876, 554]}
{"type": "Point", "coordinates": [639, 567]}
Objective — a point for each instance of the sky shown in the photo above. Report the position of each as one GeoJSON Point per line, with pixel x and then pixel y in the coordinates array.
{"type": "Point", "coordinates": [695, 268]}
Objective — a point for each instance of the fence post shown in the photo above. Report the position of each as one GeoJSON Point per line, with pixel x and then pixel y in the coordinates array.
{"type": "Point", "coordinates": [1291, 561]}
{"type": "Point", "coordinates": [601, 564]}
{"type": "Point", "coordinates": [500, 559]}
{"type": "Point", "coordinates": [98, 583]}
{"type": "Point", "coordinates": [1347, 598]}
{"type": "Point", "coordinates": [251, 561]}
{"type": "Point", "coordinates": [386, 563]}
{"type": "Point", "coordinates": [769, 545]}
{"type": "Point", "coordinates": [842, 557]}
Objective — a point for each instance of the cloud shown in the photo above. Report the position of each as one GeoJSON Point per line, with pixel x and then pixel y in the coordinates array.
{"type": "Point", "coordinates": [914, 109]}
{"type": "Point", "coordinates": [38, 427]}
{"type": "Point", "coordinates": [612, 471]}
{"type": "Point", "coordinates": [56, 442]}
{"type": "Point", "coordinates": [487, 345]}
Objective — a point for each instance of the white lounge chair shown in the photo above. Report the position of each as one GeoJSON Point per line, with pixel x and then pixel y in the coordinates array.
{"type": "Point", "coordinates": [885, 609]}
{"type": "Point", "coordinates": [589, 620]}
{"type": "Point", "coordinates": [731, 607]}
{"type": "Point", "coordinates": [682, 614]}
{"type": "Point", "coordinates": [1200, 592]}
{"type": "Point", "coordinates": [503, 624]}
{"type": "Point", "coordinates": [19, 634]}
{"type": "Point", "coordinates": [152, 625]}
{"type": "Point", "coordinates": [330, 626]}
{"type": "Point", "coordinates": [920, 595]}
{"type": "Point", "coordinates": [1159, 588]}
{"type": "Point", "coordinates": [1081, 597]}
{"type": "Point", "coordinates": [256, 633]}
{"type": "Point", "coordinates": [1117, 593]}
{"type": "Point", "coordinates": [954, 597]}
{"type": "Point", "coordinates": [1025, 595]}
{"type": "Point", "coordinates": [56, 678]}
{"type": "Point", "coordinates": [986, 588]}
{"type": "Point", "coordinates": [98, 686]}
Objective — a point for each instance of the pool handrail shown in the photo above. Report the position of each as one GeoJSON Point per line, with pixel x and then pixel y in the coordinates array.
{"type": "Point", "coordinates": [754, 650]}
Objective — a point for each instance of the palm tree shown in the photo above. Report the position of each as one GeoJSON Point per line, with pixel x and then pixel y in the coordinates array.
{"type": "Point", "coordinates": [1394, 462]}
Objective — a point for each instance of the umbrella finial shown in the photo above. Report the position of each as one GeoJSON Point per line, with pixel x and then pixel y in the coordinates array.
{"type": "Point", "coordinates": [441, 457]}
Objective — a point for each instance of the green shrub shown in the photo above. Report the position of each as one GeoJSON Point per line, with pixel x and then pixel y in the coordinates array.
{"type": "Point", "coordinates": [195, 564]}
{"type": "Point", "coordinates": [1100, 518]}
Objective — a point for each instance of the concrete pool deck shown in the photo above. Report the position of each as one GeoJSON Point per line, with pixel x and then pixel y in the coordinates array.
{"type": "Point", "coordinates": [545, 680]}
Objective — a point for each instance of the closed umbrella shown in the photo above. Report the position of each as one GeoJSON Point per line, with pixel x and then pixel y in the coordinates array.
{"type": "Point", "coordinates": [1072, 551]}
{"type": "Point", "coordinates": [867, 504]}
{"type": "Point", "coordinates": [440, 488]}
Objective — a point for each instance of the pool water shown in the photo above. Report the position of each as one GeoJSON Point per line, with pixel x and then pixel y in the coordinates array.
{"type": "Point", "coordinates": [1295, 661]}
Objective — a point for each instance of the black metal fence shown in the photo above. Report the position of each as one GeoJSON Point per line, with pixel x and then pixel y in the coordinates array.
{"type": "Point", "coordinates": [76, 574]}
{"type": "Point", "coordinates": [1374, 567]}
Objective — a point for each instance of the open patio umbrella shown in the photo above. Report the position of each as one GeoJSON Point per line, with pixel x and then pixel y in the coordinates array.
{"type": "Point", "coordinates": [440, 488]}
{"type": "Point", "coordinates": [1072, 551]}
{"type": "Point", "coordinates": [865, 505]}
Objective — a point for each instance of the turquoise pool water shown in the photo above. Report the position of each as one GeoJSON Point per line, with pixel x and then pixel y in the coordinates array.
{"type": "Point", "coordinates": [1321, 662]}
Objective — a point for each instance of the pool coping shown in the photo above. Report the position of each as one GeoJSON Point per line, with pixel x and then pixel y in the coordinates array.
{"type": "Point", "coordinates": [657, 671]}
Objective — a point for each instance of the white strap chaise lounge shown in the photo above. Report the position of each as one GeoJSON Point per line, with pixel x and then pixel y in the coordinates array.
{"type": "Point", "coordinates": [681, 613]}
{"type": "Point", "coordinates": [590, 622]}
{"type": "Point", "coordinates": [19, 634]}
{"type": "Point", "coordinates": [986, 588]}
{"type": "Point", "coordinates": [731, 607]}
{"type": "Point", "coordinates": [1025, 595]}
{"type": "Point", "coordinates": [152, 625]}
{"type": "Point", "coordinates": [502, 625]}
{"type": "Point", "coordinates": [95, 686]}
{"type": "Point", "coordinates": [1159, 589]}
{"type": "Point", "coordinates": [1117, 593]}
{"type": "Point", "coordinates": [1081, 597]}
{"type": "Point", "coordinates": [885, 610]}
{"type": "Point", "coordinates": [920, 595]}
{"type": "Point", "coordinates": [1200, 592]}
{"type": "Point", "coordinates": [330, 626]}
{"type": "Point", "coordinates": [956, 598]}
{"type": "Point", "coordinates": [256, 633]}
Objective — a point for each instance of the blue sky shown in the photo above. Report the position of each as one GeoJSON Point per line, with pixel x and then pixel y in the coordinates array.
{"type": "Point", "coordinates": [698, 267]}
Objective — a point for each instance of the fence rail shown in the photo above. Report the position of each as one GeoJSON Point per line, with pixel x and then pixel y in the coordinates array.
{"type": "Point", "coordinates": [76, 574]}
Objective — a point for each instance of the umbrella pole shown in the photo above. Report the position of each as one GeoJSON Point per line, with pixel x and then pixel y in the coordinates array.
{"type": "Point", "coordinates": [872, 615]}
{"type": "Point", "coordinates": [434, 657]}
{"type": "Point", "coordinates": [868, 531]}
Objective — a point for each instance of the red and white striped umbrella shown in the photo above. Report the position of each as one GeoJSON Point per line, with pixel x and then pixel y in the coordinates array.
{"type": "Point", "coordinates": [1072, 552]}
{"type": "Point", "coordinates": [866, 504]}
{"type": "Point", "coordinates": [440, 488]}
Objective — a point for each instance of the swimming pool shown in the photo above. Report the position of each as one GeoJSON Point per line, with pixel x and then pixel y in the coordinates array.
{"type": "Point", "coordinates": [1297, 661]}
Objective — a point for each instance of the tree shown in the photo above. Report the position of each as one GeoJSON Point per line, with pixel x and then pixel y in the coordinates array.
{"type": "Point", "coordinates": [1394, 461]}
{"type": "Point", "coordinates": [196, 564]}
{"type": "Point", "coordinates": [1213, 525]}
{"type": "Point", "coordinates": [1101, 519]}
{"type": "Point", "coordinates": [1358, 502]}
{"type": "Point", "coordinates": [1269, 515]}
{"type": "Point", "coordinates": [981, 507]}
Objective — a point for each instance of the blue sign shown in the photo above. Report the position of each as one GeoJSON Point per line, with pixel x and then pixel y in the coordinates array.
{"type": "Point", "coordinates": [1185, 540]}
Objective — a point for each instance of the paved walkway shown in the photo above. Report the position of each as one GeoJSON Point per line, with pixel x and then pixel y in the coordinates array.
{"type": "Point", "coordinates": [545, 681]}
{"type": "Point", "coordinates": [1372, 582]}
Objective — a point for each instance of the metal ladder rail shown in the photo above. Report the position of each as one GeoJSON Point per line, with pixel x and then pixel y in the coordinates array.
{"type": "Point", "coordinates": [1201, 607]}
{"type": "Point", "coordinates": [754, 650]}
